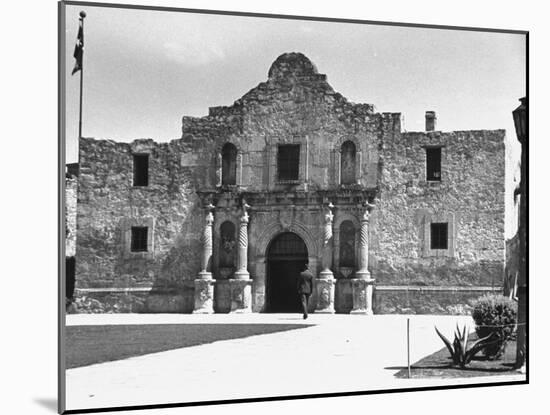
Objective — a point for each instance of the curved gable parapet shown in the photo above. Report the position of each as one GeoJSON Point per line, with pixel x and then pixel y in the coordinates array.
{"type": "Point", "coordinates": [292, 65]}
{"type": "Point", "coordinates": [292, 80]}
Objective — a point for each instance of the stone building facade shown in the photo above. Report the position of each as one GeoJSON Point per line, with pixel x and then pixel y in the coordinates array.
{"type": "Point", "coordinates": [223, 219]}
{"type": "Point", "coordinates": [71, 184]}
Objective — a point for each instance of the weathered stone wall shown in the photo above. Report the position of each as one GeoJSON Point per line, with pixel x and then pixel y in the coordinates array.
{"type": "Point", "coordinates": [70, 215]}
{"type": "Point", "coordinates": [470, 197]}
{"type": "Point", "coordinates": [109, 204]}
{"type": "Point", "coordinates": [419, 300]}
{"type": "Point", "coordinates": [295, 105]}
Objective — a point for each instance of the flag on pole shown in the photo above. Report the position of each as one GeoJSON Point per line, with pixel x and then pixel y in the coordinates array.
{"type": "Point", "coordinates": [78, 49]}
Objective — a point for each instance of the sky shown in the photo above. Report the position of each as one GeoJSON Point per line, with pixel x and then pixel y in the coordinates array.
{"type": "Point", "coordinates": [144, 70]}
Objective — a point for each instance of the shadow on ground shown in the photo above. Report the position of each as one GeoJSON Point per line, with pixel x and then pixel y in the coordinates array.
{"type": "Point", "coordinates": [86, 345]}
{"type": "Point", "coordinates": [48, 403]}
{"type": "Point", "coordinates": [439, 365]}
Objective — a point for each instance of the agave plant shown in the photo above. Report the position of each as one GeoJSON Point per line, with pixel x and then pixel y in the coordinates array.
{"type": "Point", "coordinates": [461, 352]}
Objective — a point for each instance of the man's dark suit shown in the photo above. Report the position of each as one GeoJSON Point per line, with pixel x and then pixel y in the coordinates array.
{"type": "Point", "coordinates": [305, 288]}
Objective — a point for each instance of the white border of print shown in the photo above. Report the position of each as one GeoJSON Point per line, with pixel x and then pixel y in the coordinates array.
{"type": "Point", "coordinates": [29, 266]}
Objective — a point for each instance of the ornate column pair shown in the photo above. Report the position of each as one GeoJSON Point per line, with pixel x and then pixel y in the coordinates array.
{"type": "Point", "coordinates": [362, 285]}
{"type": "Point", "coordinates": [325, 282]}
{"type": "Point", "coordinates": [240, 284]}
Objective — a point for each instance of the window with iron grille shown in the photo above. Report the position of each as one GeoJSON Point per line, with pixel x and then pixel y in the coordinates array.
{"type": "Point", "coordinates": [139, 239]}
{"type": "Point", "coordinates": [439, 234]}
{"type": "Point", "coordinates": [288, 162]}
{"type": "Point", "coordinates": [433, 164]}
{"type": "Point", "coordinates": [141, 169]}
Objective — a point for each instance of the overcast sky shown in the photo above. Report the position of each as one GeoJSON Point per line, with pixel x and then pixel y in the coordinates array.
{"type": "Point", "coordinates": [144, 70]}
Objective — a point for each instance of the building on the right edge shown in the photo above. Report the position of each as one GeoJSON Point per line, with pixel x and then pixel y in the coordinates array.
{"type": "Point", "coordinates": [521, 123]}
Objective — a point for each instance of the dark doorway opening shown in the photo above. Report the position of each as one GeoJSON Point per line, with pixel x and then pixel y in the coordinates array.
{"type": "Point", "coordinates": [69, 280]}
{"type": "Point", "coordinates": [286, 257]}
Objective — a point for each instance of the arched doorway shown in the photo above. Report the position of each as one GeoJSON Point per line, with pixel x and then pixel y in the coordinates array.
{"type": "Point", "coordinates": [286, 256]}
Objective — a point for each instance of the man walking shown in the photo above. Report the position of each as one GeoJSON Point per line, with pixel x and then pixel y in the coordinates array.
{"type": "Point", "coordinates": [305, 287]}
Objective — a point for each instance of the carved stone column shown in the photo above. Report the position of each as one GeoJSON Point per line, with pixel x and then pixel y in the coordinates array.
{"type": "Point", "coordinates": [219, 162]}
{"type": "Point", "coordinates": [241, 285]}
{"type": "Point", "coordinates": [239, 178]}
{"type": "Point", "coordinates": [327, 244]}
{"type": "Point", "coordinates": [363, 272]}
{"type": "Point", "coordinates": [242, 252]}
{"type": "Point", "coordinates": [325, 282]}
{"type": "Point", "coordinates": [338, 166]}
{"type": "Point", "coordinates": [362, 285]}
{"type": "Point", "coordinates": [204, 284]}
{"type": "Point", "coordinates": [358, 167]}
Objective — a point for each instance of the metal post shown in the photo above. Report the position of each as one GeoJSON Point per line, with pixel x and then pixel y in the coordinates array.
{"type": "Point", "coordinates": [82, 16]}
{"type": "Point", "coordinates": [408, 348]}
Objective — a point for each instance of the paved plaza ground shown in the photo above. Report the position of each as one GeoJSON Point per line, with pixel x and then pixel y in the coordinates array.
{"type": "Point", "coordinates": [337, 353]}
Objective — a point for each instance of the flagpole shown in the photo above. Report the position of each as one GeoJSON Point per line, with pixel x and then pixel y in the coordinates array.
{"type": "Point", "coordinates": [82, 16]}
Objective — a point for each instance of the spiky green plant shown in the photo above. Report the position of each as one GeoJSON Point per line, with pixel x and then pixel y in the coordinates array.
{"type": "Point", "coordinates": [461, 354]}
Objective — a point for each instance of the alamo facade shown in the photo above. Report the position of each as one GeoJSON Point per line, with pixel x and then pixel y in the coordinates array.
{"type": "Point", "coordinates": [223, 218]}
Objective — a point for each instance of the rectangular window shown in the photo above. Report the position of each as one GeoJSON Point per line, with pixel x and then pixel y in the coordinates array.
{"type": "Point", "coordinates": [433, 164]}
{"type": "Point", "coordinates": [288, 162]}
{"type": "Point", "coordinates": [439, 235]}
{"type": "Point", "coordinates": [139, 239]}
{"type": "Point", "coordinates": [141, 169]}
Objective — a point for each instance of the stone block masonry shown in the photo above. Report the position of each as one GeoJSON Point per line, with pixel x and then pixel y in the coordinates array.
{"type": "Point", "coordinates": [469, 197]}
{"type": "Point", "coordinates": [222, 222]}
{"type": "Point", "coordinates": [70, 215]}
{"type": "Point", "coordinates": [109, 205]}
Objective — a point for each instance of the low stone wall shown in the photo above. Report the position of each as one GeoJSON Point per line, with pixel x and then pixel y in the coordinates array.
{"type": "Point", "coordinates": [109, 302]}
{"type": "Point", "coordinates": [386, 299]}
{"type": "Point", "coordinates": [428, 300]}
{"type": "Point", "coordinates": [134, 301]}
{"type": "Point", "coordinates": [70, 216]}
